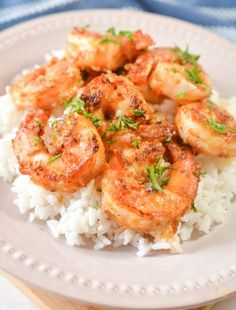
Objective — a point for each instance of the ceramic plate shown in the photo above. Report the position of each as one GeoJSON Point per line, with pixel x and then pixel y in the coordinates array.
{"type": "Point", "coordinates": [117, 278]}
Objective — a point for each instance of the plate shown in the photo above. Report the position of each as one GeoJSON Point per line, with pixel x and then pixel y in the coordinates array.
{"type": "Point", "coordinates": [205, 271]}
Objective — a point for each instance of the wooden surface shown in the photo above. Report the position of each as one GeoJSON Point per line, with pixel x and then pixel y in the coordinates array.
{"type": "Point", "coordinates": [49, 301]}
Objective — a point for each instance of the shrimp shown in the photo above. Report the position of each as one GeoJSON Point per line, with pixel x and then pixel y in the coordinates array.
{"type": "Point", "coordinates": [208, 128]}
{"type": "Point", "coordinates": [105, 52]}
{"type": "Point", "coordinates": [48, 86]}
{"type": "Point", "coordinates": [116, 96]}
{"type": "Point", "coordinates": [170, 73]}
{"type": "Point", "coordinates": [126, 194]}
{"type": "Point", "coordinates": [62, 158]}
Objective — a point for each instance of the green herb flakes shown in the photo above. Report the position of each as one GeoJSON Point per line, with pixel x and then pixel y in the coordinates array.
{"type": "Point", "coordinates": [39, 123]}
{"type": "Point", "coordinates": [156, 175]}
{"type": "Point", "coordinates": [194, 75]}
{"type": "Point", "coordinates": [51, 160]}
{"type": "Point", "coordinates": [36, 141]}
{"type": "Point", "coordinates": [186, 56]}
{"type": "Point", "coordinates": [218, 127]}
{"type": "Point", "coordinates": [136, 142]}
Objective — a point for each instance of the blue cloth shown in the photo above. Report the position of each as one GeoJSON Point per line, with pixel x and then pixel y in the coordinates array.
{"type": "Point", "coordinates": [216, 15]}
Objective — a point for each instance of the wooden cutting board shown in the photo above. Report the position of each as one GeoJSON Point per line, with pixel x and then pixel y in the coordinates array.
{"type": "Point", "coordinates": [48, 301]}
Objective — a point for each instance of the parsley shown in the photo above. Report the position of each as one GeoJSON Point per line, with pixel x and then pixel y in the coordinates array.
{"type": "Point", "coordinates": [136, 142]}
{"type": "Point", "coordinates": [96, 206]}
{"type": "Point", "coordinates": [127, 34]}
{"type": "Point", "coordinates": [138, 113]}
{"type": "Point", "coordinates": [234, 130]}
{"type": "Point", "coordinates": [36, 141]}
{"type": "Point", "coordinates": [78, 106]}
{"type": "Point", "coordinates": [181, 95]}
{"type": "Point", "coordinates": [39, 123]}
{"type": "Point", "coordinates": [168, 140]}
{"type": "Point", "coordinates": [112, 31]}
{"type": "Point", "coordinates": [194, 75]}
{"type": "Point", "coordinates": [53, 122]}
{"type": "Point", "coordinates": [156, 174]}
{"type": "Point", "coordinates": [111, 141]}
{"type": "Point", "coordinates": [186, 56]}
{"type": "Point", "coordinates": [51, 160]}
{"type": "Point", "coordinates": [218, 127]}
{"type": "Point", "coordinates": [121, 123]}
{"type": "Point", "coordinates": [53, 134]}
{"type": "Point", "coordinates": [193, 207]}
{"type": "Point", "coordinates": [199, 173]}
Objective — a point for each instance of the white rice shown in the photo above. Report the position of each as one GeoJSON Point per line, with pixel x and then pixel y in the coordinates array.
{"type": "Point", "coordinates": [78, 217]}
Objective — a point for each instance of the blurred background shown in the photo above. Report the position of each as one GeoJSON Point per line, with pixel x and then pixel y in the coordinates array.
{"type": "Point", "coordinates": [216, 15]}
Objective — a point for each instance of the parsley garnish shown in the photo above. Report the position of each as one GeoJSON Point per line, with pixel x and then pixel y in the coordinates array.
{"type": "Point", "coordinates": [199, 173]}
{"type": "Point", "coordinates": [112, 31]}
{"type": "Point", "coordinates": [86, 26]}
{"type": "Point", "coordinates": [193, 207]}
{"type": "Point", "coordinates": [136, 142]}
{"type": "Point", "coordinates": [218, 127]}
{"type": "Point", "coordinates": [138, 113]}
{"type": "Point", "coordinates": [53, 134]}
{"type": "Point", "coordinates": [53, 122]}
{"type": "Point", "coordinates": [181, 95]}
{"type": "Point", "coordinates": [36, 141]}
{"type": "Point", "coordinates": [111, 141]}
{"type": "Point", "coordinates": [186, 56]}
{"type": "Point", "coordinates": [194, 75]}
{"type": "Point", "coordinates": [156, 174]}
{"type": "Point", "coordinates": [96, 206]}
{"type": "Point", "coordinates": [51, 160]}
{"type": "Point", "coordinates": [39, 123]}
{"type": "Point", "coordinates": [121, 123]}
{"type": "Point", "coordinates": [78, 106]}
{"type": "Point", "coordinates": [127, 34]}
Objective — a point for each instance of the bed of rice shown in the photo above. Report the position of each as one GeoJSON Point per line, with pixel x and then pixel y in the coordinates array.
{"type": "Point", "coordinates": [78, 216]}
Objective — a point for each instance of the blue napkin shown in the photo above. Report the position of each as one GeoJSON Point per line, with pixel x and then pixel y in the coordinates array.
{"type": "Point", "coordinates": [216, 15]}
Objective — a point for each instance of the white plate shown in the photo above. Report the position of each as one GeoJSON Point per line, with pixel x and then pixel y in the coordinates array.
{"type": "Point", "coordinates": [117, 278]}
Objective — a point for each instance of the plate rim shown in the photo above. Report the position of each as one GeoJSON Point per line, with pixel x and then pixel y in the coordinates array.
{"type": "Point", "coordinates": [25, 25]}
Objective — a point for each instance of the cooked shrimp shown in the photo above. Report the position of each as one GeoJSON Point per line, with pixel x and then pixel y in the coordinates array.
{"type": "Point", "coordinates": [166, 72]}
{"type": "Point", "coordinates": [116, 96]}
{"type": "Point", "coordinates": [208, 128]}
{"type": "Point", "coordinates": [62, 158]}
{"type": "Point", "coordinates": [131, 203]}
{"type": "Point", "coordinates": [48, 86]}
{"type": "Point", "coordinates": [105, 52]}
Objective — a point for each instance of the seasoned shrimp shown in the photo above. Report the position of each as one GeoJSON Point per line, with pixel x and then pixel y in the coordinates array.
{"type": "Point", "coordinates": [166, 72]}
{"type": "Point", "coordinates": [105, 52]}
{"type": "Point", "coordinates": [48, 86]}
{"type": "Point", "coordinates": [208, 128]}
{"type": "Point", "coordinates": [127, 197]}
{"type": "Point", "coordinates": [116, 96]}
{"type": "Point", "coordinates": [62, 158]}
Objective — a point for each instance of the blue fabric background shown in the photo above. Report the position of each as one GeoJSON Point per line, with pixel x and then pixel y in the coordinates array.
{"type": "Point", "coordinates": [216, 15]}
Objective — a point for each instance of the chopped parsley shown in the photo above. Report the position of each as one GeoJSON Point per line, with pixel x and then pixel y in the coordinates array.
{"type": "Point", "coordinates": [77, 105]}
{"type": "Point", "coordinates": [218, 127]}
{"type": "Point", "coordinates": [53, 122]}
{"type": "Point", "coordinates": [53, 134]}
{"type": "Point", "coordinates": [39, 123]}
{"type": "Point", "coordinates": [181, 95]}
{"type": "Point", "coordinates": [127, 34]}
{"type": "Point", "coordinates": [122, 123]}
{"type": "Point", "coordinates": [156, 175]}
{"type": "Point", "coordinates": [199, 173]}
{"type": "Point", "coordinates": [51, 160]}
{"type": "Point", "coordinates": [112, 31]}
{"type": "Point", "coordinates": [136, 142]}
{"type": "Point", "coordinates": [186, 56]}
{"type": "Point", "coordinates": [193, 207]}
{"type": "Point", "coordinates": [36, 141]}
{"type": "Point", "coordinates": [111, 141]}
{"type": "Point", "coordinates": [112, 36]}
{"type": "Point", "coordinates": [96, 206]}
{"type": "Point", "coordinates": [194, 75]}
{"type": "Point", "coordinates": [86, 26]}
{"type": "Point", "coordinates": [138, 113]}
